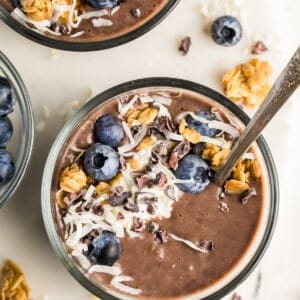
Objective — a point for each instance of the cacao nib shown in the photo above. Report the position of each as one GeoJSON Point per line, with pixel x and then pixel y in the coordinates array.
{"type": "Point", "coordinates": [144, 181]}
{"type": "Point", "coordinates": [259, 48]}
{"type": "Point", "coordinates": [138, 225]}
{"type": "Point", "coordinates": [145, 197]}
{"type": "Point", "coordinates": [185, 45]}
{"type": "Point", "coordinates": [98, 210]}
{"type": "Point", "coordinates": [223, 207]}
{"type": "Point", "coordinates": [179, 152]}
{"type": "Point", "coordinates": [161, 179]}
{"type": "Point", "coordinates": [131, 206]}
{"type": "Point", "coordinates": [248, 194]}
{"type": "Point", "coordinates": [151, 208]}
{"type": "Point", "coordinates": [153, 227]}
{"type": "Point", "coordinates": [161, 236]}
{"type": "Point", "coordinates": [206, 245]}
{"type": "Point", "coordinates": [117, 200]}
{"type": "Point", "coordinates": [136, 13]}
{"type": "Point", "coordinates": [171, 192]}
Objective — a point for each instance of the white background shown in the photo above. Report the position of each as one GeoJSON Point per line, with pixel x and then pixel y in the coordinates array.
{"type": "Point", "coordinates": [56, 78]}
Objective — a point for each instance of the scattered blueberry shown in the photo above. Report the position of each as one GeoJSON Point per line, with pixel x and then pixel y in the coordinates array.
{"type": "Point", "coordinates": [193, 167]}
{"type": "Point", "coordinates": [16, 3]}
{"type": "Point", "coordinates": [105, 249]}
{"type": "Point", "coordinates": [226, 31]}
{"type": "Point", "coordinates": [101, 162]}
{"type": "Point", "coordinates": [108, 131]}
{"type": "Point", "coordinates": [7, 166]}
{"type": "Point", "coordinates": [6, 130]}
{"type": "Point", "coordinates": [7, 97]}
{"type": "Point", "coordinates": [202, 128]}
{"type": "Point", "coordinates": [103, 3]}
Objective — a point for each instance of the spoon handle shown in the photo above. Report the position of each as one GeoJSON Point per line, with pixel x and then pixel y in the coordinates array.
{"type": "Point", "coordinates": [283, 88]}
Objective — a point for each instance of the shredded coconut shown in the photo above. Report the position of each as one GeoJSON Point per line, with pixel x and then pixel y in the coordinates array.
{"type": "Point", "coordinates": [128, 132]}
{"type": "Point", "coordinates": [125, 108]}
{"type": "Point", "coordinates": [112, 270]}
{"type": "Point", "coordinates": [101, 22]}
{"type": "Point", "coordinates": [188, 243]}
{"type": "Point", "coordinates": [117, 283]}
{"type": "Point", "coordinates": [137, 139]}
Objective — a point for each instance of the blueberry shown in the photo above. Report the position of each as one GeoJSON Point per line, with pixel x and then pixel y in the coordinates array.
{"type": "Point", "coordinates": [105, 249]}
{"type": "Point", "coordinates": [7, 166]}
{"type": "Point", "coordinates": [16, 3]}
{"type": "Point", "coordinates": [6, 130]}
{"type": "Point", "coordinates": [226, 31]}
{"type": "Point", "coordinates": [103, 3]}
{"type": "Point", "coordinates": [7, 97]}
{"type": "Point", "coordinates": [108, 131]}
{"type": "Point", "coordinates": [101, 162]}
{"type": "Point", "coordinates": [193, 167]}
{"type": "Point", "coordinates": [202, 128]}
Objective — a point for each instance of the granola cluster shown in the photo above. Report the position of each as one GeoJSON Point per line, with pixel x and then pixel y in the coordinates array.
{"type": "Point", "coordinates": [248, 83]}
{"type": "Point", "coordinates": [13, 283]}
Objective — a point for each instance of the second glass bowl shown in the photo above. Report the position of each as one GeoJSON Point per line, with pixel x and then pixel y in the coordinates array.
{"type": "Point", "coordinates": [52, 42]}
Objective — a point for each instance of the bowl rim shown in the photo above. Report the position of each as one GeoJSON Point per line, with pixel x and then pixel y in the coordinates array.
{"type": "Point", "coordinates": [23, 100]}
{"type": "Point", "coordinates": [133, 85]}
{"type": "Point", "coordinates": [86, 46]}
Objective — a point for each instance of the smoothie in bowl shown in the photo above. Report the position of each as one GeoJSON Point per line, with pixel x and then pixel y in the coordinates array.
{"type": "Point", "coordinates": [129, 201]}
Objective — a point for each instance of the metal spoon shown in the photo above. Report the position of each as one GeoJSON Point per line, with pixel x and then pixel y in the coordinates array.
{"type": "Point", "coordinates": [283, 88]}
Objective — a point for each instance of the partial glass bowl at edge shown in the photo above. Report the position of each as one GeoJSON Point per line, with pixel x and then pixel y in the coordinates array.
{"type": "Point", "coordinates": [20, 146]}
{"type": "Point", "coordinates": [45, 40]}
{"type": "Point", "coordinates": [47, 209]}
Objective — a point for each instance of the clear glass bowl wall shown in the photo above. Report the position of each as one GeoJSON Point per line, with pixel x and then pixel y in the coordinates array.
{"type": "Point", "coordinates": [20, 146]}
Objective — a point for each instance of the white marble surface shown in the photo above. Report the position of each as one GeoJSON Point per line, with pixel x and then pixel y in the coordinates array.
{"type": "Point", "coordinates": [69, 77]}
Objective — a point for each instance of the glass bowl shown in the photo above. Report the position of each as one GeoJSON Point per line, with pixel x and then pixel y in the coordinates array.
{"type": "Point", "coordinates": [45, 40]}
{"type": "Point", "coordinates": [267, 222]}
{"type": "Point", "coordinates": [20, 145]}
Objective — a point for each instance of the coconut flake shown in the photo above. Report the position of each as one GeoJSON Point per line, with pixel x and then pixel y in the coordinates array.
{"type": "Point", "coordinates": [188, 243]}
{"type": "Point", "coordinates": [125, 108]}
{"type": "Point", "coordinates": [156, 98]}
{"type": "Point", "coordinates": [114, 10]}
{"type": "Point", "coordinates": [101, 22]}
{"type": "Point", "coordinates": [137, 139]}
{"type": "Point", "coordinates": [220, 141]}
{"type": "Point", "coordinates": [83, 261]}
{"type": "Point", "coordinates": [248, 155]}
{"type": "Point", "coordinates": [77, 34]}
{"type": "Point", "coordinates": [183, 181]}
{"type": "Point", "coordinates": [224, 127]}
{"type": "Point", "coordinates": [42, 26]}
{"type": "Point", "coordinates": [94, 14]}
{"type": "Point", "coordinates": [174, 136]}
{"type": "Point", "coordinates": [89, 193]}
{"type": "Point", "coordinates": [74, 148]}
{"type": "Point", "coordinates": [163, 111]}
{"type": "Point", "coordinates": [112, 270]}
{"type": "Point", "coordinates": [128, 132]}
{"type": "Point", "coordinates": [79, 248]}
{"type": "Point", "coordinates": [117, 283]}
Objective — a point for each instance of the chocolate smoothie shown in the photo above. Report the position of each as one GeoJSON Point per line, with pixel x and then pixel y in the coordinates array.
{"type": "Point", "coordinates": [93, 20]}
{"type": "Point", "coordinates": [157, 227]}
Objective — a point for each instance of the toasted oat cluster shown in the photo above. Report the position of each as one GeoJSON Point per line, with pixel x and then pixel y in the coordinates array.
{"type": "Point", "coordinates": [138, 164]}
{"type": "Point", "coordinates": [13, 283]}
{"type": "Point", "coordinates": [248, 83]}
